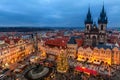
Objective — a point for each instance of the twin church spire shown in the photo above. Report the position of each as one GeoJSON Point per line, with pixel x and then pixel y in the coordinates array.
{"type": "Point", "coordinates": [94, 34]}
{"type": "Point", "coordinates": [102, 18]}
{"type": "Point", "coordinates": [89, 17]}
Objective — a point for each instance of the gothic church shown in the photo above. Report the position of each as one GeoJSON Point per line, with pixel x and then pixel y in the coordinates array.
{"type": "Point", "coordinates": [95, 35]}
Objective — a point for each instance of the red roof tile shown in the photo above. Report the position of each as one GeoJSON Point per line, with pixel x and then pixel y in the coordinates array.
{"type": "Point", "coordinates": [57, 42]}
{"type": "Point", "coordinates": [79, 42]}
{"type": "Point", "coordinates": [3, 38]}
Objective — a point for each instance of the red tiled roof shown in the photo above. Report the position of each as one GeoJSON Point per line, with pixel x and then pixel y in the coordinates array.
{"type": "Point", "coordinates": [57, 42]}
{"type": "Point", "coordinates": [79, 42]}
{"type": "Point", "coordinates": [14, 40]}
{"type": "Point", "coordinates": [3, 37]}
{"type": "Point", "coordinates": [7, 41]}
{"type": "Point", "coordinates": [112, 39]}
{"type": "Point", "coordinates": [62, 42]}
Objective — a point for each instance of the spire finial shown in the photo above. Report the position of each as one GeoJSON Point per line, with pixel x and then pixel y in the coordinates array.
{"type": "Point", "coordinates": [103, 2]}
{"type": "Point", "coordinates": [89, 10]}
{"type": "Point", "coordinates": [103, 17]}
{"type": "Point", "coordinates": [89, 7]}
{"type": "Point", "coordinates": [103, 7]}
{"type": "Point", "coordinates": [89, 17]}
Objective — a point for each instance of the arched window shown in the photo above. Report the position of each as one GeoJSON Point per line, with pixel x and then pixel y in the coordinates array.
{"type": "Point", "coordinates": [87, 37]}
{"type": "Point", "coordinates": [87, 27]}
{"type": "Point", "coordinates": [101, 27]}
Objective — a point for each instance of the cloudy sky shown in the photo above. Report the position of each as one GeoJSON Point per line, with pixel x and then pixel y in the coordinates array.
{"type": "Point", "coordinates": [56, 12]}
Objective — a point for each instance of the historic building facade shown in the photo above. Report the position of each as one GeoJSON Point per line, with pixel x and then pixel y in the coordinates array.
{"type": "Point", "coordinates": [72, 48]}
{"type": "Point", "coordinates": [96, 37]}
{"type": "Point", "coordinates": [15, 51]}
{"type": "Point", "coordinates": [93, 34]}
{"type": "Point", "coordinates": [99, 55]}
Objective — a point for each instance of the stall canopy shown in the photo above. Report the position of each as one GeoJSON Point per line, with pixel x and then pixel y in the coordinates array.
{"type": "Point", "coordinates": [86, 70]}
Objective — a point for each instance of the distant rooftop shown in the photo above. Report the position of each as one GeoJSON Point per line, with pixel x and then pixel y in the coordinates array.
{"type": "Point", "coordinates": [105, 46]}
{"type": "Point", "coordinates": [73, 39]}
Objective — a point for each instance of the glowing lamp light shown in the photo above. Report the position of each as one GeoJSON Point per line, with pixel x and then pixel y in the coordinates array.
{"type": "Point", "coordinates": [83, 67]}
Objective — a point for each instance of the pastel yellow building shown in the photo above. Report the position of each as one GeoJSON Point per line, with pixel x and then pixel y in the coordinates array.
{"type": "Point", "coordinates": [14, 52]}
{"type": "Point", "coordinates": [99, 55]}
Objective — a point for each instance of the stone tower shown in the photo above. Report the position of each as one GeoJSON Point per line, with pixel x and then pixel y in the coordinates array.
{"type": "Point", "coordinates": [95, 35]}
{"type": "Point", "coordinates": [88, 25]}
{"type": "Point", "coordinates": [88, 21]}
{"type": "Point", "coordinates": [102, 25]}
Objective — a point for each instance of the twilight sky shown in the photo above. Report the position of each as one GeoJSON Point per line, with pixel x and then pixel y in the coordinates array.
{"type": "Point", "coordinates": [56, 12]}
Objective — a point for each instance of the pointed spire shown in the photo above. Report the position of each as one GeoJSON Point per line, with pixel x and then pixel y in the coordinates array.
{"type": "Point", "coordinates": [103, 10]}
{"type": "Point", "coordinates": [89, 9]}
{"type": "Point", "coordinates": [88, 17]}
{"type": "Point", "coordinates": [103, 7]}
{"type": "Point", "coordinates": [89, 13]}
{"type": "Point", "coordinates": [103, 17]}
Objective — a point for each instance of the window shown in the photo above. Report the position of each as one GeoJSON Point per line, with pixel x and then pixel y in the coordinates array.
{"type": "Point", "coordinates": [89, 36]}
{"type": "Point", "coordinates": [101, 27]}
{"type": "Point", "coordinates": [87, 27]}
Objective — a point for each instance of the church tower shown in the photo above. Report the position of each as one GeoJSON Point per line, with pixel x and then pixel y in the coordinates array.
{"type": "Point", "coordinates": [88, 26]}
{"type": "Point", "coordinates": [102, 25]}
{"type": "Point", "coordinates": [88, 21]}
